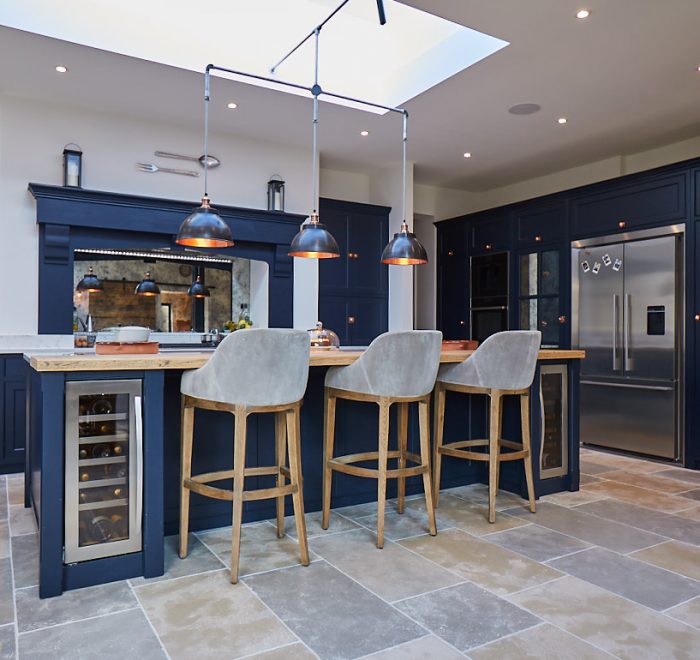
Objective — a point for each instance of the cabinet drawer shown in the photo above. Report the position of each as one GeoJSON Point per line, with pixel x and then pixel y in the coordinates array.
{"type": "Point", "coordinates": [655, 202]}
{"type": "Point", "coordinates": [452, 240]}
{"type": "Point", "coordinates": [544, 225]}
{"type": "Point", "coordinates": [492, 234]}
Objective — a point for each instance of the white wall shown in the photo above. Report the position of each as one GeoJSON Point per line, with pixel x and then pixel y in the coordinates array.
{"type": "Point", "coordinates": [425, 276]}
{"type": "Point", "coordinates": [348, 186]}
{"type": "Point", "coordinates": [32, 137]}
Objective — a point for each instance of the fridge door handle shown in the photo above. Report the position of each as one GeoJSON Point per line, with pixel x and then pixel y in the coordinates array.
{"type": "Point", "coordinates": [138, 437]}
{"type": "Point", "coordinates": [627, 350]}
{"type": "Point", "coordinates": [615, 357]}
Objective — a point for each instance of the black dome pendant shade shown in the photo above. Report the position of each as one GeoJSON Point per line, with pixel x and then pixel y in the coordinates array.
{"type": "Point", "coordinates": [90, 283]}
{"type": "Point", "coordinates": [198, 290]}
{"type": "Point", "coordinates": [204, 228]}
{"type": "Point", "coordinates": [147, 287]}
{"type": "Point", "coordinates": [314, 241]}
{"type": "Point", "coordinates": [404, 249]}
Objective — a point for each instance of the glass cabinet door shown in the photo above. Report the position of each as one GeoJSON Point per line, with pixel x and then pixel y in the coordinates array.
{"type": "Point", "coordinates": [540, 304]}
{"type": "Point", "coordinates": [103, 471]}
{"type": "Point", "coordinates": [554, 458]}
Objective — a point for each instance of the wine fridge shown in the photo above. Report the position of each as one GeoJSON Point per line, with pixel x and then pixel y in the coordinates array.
{"type": "Point", "coordinates": [103, 469]}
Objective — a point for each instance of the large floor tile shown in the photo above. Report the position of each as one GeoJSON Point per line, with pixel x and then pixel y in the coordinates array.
{"type": "Point", "coordinates": [261, 550]}
{"type": "Point", "coordinates": [651, 499]}
{"type": "Point", "coordinates": [678, 557]}
{"type": "Point", "coordinates": [479, 494]}
{"type": "Point", "coordinates": [544, 642]}
{"type": "Point", "coordinates": [687, 612]}
{"type": "Point", "coordinates": [691, 514]}
{"type": "Point", "coordinates": [469, 516]}
{"type": "Point", "coordinates": [113, 637]}
{"type": "Point", "coordinates": [675, 527]}
{"type": "Point", "coordinates": [3, 501]}
{"type": "Point", "coordinates": [625, 629]}
{"type": "Point", "coordinates": [487, 564]}
{"type": "Point", "coordinates": [25, 560]}
{"type": "Point", "coordinates": [691, 494]}
{"type": "Point", "coordinates": [355, 511]}
{"type": "Point", "coordinates": [420, 649]}
{"type": "Point", "coordinates": [467, 616]}
{"type": "Point", "coordinates": [654, 587]}
{"type": "Point", "coordinates": [7, 642]}
{"type": "Point", "coordinates": [392, 573]}
{"type": "Point", "coordinates": [313, 525]}
{"type": "Point", "coordinates": [22, 520]}
{"type": "Point", "coordinates": [681, 474]}
{"type": "Point", "coordinates": [15, 488]}
{"type": "Point", "coordinates": [588, 479]}
{"type": "Point", "coordinates": [538, 543]}
{"type": "Point", "coordinates": [412, 522]}
{"type": "Point", "coordinates": [592, 529]}
{"type": "Point", "coordinates": [205, 616]}
{"type": "Point", "coordinates": [7, 608]}
{"type": "Point", "coordinates": [333, 615]}
{"type": "Point", "coordinates": [649, 481]}
{"type": "Point", "coordinates": [33, 612]}
{"type": "Point", "coordinates": [590, 467]}
{"type": "Point", "coordinates": [575, 498]}
{"type": "Point", "coordinates": [199, 560]}
{"type": "Point", "coordinates": [4, 539]}
{"type": "Point", "coordinates": [620, 462]}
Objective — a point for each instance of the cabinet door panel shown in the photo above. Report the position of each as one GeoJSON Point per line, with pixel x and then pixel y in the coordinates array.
{"type": "Point", "coordinates": [333, 273]}
{"type": "Point", "coordinates": [542, 225]}
{"type": "Point", "coordinates": [333, 313]}
{"type": "Point", "coordinates": [15, 422]}
{"type": "Point", "coordinates": [367, 319]}
{"type": "Point", "coordinates": [367, 236]}
{"type": "Point", "coordinates": [491, 234]}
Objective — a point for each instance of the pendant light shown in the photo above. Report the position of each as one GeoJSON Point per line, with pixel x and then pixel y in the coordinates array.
{"type": "Point", "coordinates": [314, 241]}
{"type": "Point", "coordinates": [204, 226]}
{"type": "Point", "coordinates": [90, 283]}
{"type": "Point", "coordinates": [198, 290]}
{"type": "Point", "coordinates": [404, 249]}
{"type": "Point", "coordinates": [147, 286]}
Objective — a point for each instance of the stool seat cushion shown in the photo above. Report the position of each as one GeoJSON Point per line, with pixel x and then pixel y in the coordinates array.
{"type": "Point", "coordinates": [396, 364]}
{"type": "Point", "coordinates": [504, 361]}
{"type": "Point", "coordinates": [254, 367]}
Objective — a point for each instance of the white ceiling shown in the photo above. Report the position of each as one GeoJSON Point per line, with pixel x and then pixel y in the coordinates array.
{"type": "Point", "coordinates": [626, 79]}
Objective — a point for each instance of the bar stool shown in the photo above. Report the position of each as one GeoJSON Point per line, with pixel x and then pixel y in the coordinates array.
{"type": "Point", "coordinates": [503, 365]}
{"type": "Point", "coordinates": [397, 367]}
{"type": "Point", "coordinates": [251, 371]}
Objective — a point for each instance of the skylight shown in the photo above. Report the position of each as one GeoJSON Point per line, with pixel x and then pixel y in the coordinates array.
{"type": "Point", "coordinates": [387, 64]}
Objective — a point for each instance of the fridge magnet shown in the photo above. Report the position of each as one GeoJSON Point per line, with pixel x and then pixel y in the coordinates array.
{"type": "Point", "coordinates": [596, 267]}
{"type": "Point", "coordinates": [585, 267]}
{"type": "Point", "coordinates": [617, 265]}
{"type": "Point", "coordinates": [606, 260]}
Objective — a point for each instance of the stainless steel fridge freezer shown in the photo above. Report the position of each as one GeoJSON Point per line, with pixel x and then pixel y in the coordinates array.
{"type": "Point", "coordinates": [627, 300]}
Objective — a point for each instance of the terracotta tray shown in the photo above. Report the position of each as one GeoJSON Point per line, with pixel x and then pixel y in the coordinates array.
{"type": "Point", "coordinates": [126, 348]}
{"type": "Point", "coordinates": [459, 344]}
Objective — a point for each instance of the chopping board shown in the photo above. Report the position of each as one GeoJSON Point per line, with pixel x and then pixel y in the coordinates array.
{"type": "Point", "coordinates": [126, 348]}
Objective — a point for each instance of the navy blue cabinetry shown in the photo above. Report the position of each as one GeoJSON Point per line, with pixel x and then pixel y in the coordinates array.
{"type": "Point", "coordinates": [12, 412]}
{"type": "Point", "coordinates": [453, 279]}
{"type": "Point", "coordinates": [354, 288]}
{"type": "Point", "coordinates": [539, 225]}
{"type": "Point", "coordinates": [659, 200]}
{"type": "Point", "coordinates": [491, 232]}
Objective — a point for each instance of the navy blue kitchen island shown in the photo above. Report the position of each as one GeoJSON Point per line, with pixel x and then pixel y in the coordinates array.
{"type": "Point", "coordinates": [102, 466]}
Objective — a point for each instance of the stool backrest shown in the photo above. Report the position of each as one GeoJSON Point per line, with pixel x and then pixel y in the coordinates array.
{"type": "Point", "coordinates": [255, 367]}
{"type": "Point", "coordinates": [505, 360]}
{"type": "Point", "coordinates": [400, 363]}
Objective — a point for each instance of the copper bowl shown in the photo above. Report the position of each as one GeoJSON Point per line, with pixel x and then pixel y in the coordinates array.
{"type": "Point", "coordinates": [459, 344]}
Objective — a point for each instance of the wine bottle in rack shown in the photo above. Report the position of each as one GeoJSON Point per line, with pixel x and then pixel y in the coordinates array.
{"type": "Point", "coordinates": [101, 451]}
{"type": "Point", "coordinates": [82, 453]}
{"type": "Point", "coordinates": [117, 450]}
{"type": "Point", "coordinates": [101, 529]}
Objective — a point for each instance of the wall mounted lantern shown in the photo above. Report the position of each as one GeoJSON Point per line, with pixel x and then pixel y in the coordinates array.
{"type": "Point", "coordinates": [72, 165]}
{"type": "Point", "coordinates": [275, 193]}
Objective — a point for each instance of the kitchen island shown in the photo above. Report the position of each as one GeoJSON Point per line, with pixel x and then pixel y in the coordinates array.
{"type": "Point", "coordinates": [150, 413]}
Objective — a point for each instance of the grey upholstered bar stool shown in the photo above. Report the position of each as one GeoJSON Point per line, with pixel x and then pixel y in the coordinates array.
{"type": "Point", "coordinates": [504, 364]}
{"type": "Point", "coordinates": [251, 371]}
{"type": "Point", "coordinates": [397, 367]}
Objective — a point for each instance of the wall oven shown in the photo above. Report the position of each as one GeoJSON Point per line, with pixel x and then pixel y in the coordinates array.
{"type": "Point", "coordinates": [489, 294]}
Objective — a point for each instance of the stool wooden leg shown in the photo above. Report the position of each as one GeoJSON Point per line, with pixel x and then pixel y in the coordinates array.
{"type": "Point", "coordinates": [328, 439]}
{"type": "Point", "coordinates": [494, 436]}
{"type": "Point", "coordinates": [384, 406]}
{"type": "Point", "coordinates": [402, 415]}
{"type": "Point", "coordinates": [293, 432]}
{"type": "Point", "coordinates": [424, 422]}
{"type": "Point", "coordinates": [239, 438]}
{"type": "Point", "coordinates": [525, 422]}
{"type": "Point", "coordinates": [186, 433]}
{"type": "Point", "coordinates": [438, 429]}
{"type": "Point", "coordinates": [281, 457]}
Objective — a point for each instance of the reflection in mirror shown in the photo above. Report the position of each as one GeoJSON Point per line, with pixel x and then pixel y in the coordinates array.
{"type": "Point", "coordinates": [238, 290]}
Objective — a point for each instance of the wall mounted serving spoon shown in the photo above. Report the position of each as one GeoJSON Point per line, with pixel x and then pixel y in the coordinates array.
{"type": "Point", "coordinates": [213, 161]}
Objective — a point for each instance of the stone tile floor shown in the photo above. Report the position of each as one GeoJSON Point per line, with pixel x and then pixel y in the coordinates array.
{"type": "Point", "coordinates": [610, 571]}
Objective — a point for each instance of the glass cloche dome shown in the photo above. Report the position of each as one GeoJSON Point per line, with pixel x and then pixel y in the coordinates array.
{"type": "Point", "coordinates": [322, 338]}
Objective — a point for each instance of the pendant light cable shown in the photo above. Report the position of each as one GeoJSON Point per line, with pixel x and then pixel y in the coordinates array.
{"type": "Point", "coordinates": [314, 142]}
{"type": "Point", "coordinates": [207, 90]}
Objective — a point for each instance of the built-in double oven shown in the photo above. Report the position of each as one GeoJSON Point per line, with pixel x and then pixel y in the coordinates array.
{"type": "Point", "coordinates": [489, 294]}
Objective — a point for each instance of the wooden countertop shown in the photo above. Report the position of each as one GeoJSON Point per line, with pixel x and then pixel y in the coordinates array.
{"type": "Point", "coordinates": [195, 359]}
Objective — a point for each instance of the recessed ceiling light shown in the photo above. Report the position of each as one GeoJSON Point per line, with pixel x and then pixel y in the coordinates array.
{"type": "Point", "coordinates": [524, 109]}
{"type": "Point", "coordinates": [232, 105]}
{"type": "Point", "coordinates": [467, 154]}
{"type": "Point", "coordinates": [62, 69]}
{"type": "Point", "coordinates": [583, 13]}
{"type": "Point", "coordinates": [364, 133]}
{"type": "Point", "coordinates": [562, 120]}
